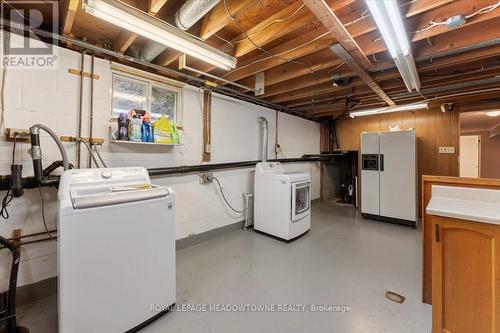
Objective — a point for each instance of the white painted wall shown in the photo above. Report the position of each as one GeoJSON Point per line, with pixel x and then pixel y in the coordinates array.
{"type": "Point", "coordinates": [51, 97]}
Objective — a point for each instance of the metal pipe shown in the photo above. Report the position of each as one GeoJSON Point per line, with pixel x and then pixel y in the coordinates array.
{"type": "Point", "coordinates": [218, 78]}
{"type": "Point", "coordinates": [80, 112]}
{"type": "Point", "coordinates": [192, 11]}
{"type": "Point", "coordinates": [58, 143]}
{"type": "Point", "coordinates": [28, 182]}
{"type": "Point", "coordinates": [91, 113]}
{"type": "Point", "coordinates": [190, 79]}
{"type": "Point", "coordinates": [265, 137]}
{"type": "Point", "coordinates": [440, 89]}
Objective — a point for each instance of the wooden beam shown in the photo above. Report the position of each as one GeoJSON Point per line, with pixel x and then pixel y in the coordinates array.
{"type": "Point", "coordinates": [167, 57]}
{"type": "Point", "coordinates": [314, 62]}
{"type": "Point", "coordinates": [155, 6]}
{"type": "Point", "coordinates": [349, 60]}
{"type": "Point", "coordinates": [467, 34]}
{"type": "Point", "coordinates": [126, 38]}
{"type": "Point", "coordinates": [444, 63]}
{"type": "Point", "coordinates": [412, 10]}
{"type": "Point", "coordinates": [265, 32]}
{"type": "Point", "coordinates": [69, 17]}
{"type": "Point", "coordinates": [218, 17]}
{"type": "Point", "coordinates": [330, 21]}
{"type": "Point", "coordinates": [313, 41]}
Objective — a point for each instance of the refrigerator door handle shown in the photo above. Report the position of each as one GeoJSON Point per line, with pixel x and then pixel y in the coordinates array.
{"type": "Point", "coordinates": [381, 162]}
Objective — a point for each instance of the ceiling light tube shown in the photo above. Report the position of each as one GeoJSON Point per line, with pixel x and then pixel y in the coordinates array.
{"type": "Point", "coordinates": [389, 109]}
{"type": "Point", "coordinates": [390, 24]}
{"type": "Point", "coordinates": [493, 113]}
{"type": "Point", "coordinates": [137, 21]}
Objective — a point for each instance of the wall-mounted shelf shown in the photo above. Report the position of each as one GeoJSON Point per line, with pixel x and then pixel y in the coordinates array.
{"type": "Point", "coordinates": [144, 143]}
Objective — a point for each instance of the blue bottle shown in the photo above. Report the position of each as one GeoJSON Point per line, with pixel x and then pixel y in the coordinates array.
{"type": "Point", "coordinates": [146, 130]}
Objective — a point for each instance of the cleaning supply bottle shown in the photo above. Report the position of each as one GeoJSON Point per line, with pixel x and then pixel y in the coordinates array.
{"type": "Point", "coordinates": [162, 131]}
{"type": "Point", "coordinates": [122, 127]}
{"type": "Point", "coordinates": [175, 133]}
{"type": "Point", "coordinates": [145, 129]}
{"type": "Point", "coordinates": [134, 130]}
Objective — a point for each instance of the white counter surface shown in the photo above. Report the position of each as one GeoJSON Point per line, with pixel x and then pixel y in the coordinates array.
{"type": "Point", "coordinates": [474, 204]}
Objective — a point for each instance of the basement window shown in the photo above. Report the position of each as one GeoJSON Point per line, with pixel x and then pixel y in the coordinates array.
{"type": "Point", "coordinates": [138, 93]}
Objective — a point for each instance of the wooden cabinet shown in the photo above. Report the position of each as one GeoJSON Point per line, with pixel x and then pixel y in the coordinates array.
{"type": "Point", "coordinates": [465, 276]}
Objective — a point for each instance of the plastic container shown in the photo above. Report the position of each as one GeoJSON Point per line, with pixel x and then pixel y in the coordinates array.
{"type": "Point", "coordinates": [134, 130]}
{"type": "Point", "coordinates": [122, 127]}
{"type": "Point", "coordinates": [146, 129]}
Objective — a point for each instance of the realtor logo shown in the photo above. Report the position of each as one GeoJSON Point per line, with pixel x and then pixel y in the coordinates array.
{"type": "Point", "coordinates": [21, 48]}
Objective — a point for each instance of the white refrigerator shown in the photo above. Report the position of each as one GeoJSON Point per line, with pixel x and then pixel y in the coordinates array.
{"type": "Point", "coordinates": [389, 176]}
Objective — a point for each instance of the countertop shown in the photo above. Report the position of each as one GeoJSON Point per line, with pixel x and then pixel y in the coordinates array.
{"type": "Point", "coordinates": [466, 203]}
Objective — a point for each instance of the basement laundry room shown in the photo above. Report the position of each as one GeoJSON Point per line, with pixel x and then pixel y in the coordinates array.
{"type": "Point", "coordinates": [250, 166]}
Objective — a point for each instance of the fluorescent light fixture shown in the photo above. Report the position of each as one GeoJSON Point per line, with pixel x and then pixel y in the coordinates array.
{"type": "Point", "coordinates": [389, 109]}
{"type": "Point", "coordinates": [137, 21]}
{"type": "Point", "coordinates": [493, 113]}
{"type": "Point", "coordinates": [390, 23]}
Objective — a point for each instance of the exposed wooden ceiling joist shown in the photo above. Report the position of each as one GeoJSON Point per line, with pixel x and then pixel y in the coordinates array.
{"type": "Point", "coordinates": [353, 64]}
{"type": "Point", "coordinates": [331, 22]}
{"type": "Point", "coordinates": [126, 38]}
{"type": "Point", "coordinates": [69, 16]}
{"type": "Point", "coordinates": [218, 18]}
{"type": "Point", "coordinates": [279, 24]}
{"type": "Point", "coordinates": [313, 41]}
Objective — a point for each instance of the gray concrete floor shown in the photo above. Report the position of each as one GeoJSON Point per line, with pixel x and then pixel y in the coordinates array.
{"type": "Point", "coordinates": [343, 260]}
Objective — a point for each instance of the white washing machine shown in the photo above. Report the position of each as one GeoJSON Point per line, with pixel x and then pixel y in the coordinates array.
{"type": "Point", "coordinates": [282, 201]}
{"type": "Point", "coordinates": [116, 254]}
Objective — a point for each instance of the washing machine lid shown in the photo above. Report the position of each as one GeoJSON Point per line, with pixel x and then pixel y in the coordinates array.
{"type": "Point", "coordinates": [107, 195]}
{"type": "Point", "coordinates": [87, 188]}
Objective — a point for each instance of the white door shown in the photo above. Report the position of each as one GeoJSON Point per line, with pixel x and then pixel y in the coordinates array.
{"type": "Point", "coordinates": [370, 186]}
{"type": "Point", "coordinates": [469, 155]}
{"type": "Point", "coordinates": [398, 191]}
{"type": "Point", "coordinates": [301, 200]}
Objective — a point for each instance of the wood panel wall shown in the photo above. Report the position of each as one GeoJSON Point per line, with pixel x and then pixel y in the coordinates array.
{"type": "Point", "coordinates": [434, 129]}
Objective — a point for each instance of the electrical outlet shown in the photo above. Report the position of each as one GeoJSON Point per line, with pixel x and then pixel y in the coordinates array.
{"type": "Point", "coordinates": [206, 178]}
{"type": "Point", "coordinates": [447, 150]}
{"type": "Point", "coordinates": [21, 134]}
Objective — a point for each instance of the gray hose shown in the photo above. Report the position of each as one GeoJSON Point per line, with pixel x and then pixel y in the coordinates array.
{"type": "Point", "coordinates": [58, 142]}
{"type": "Point", "coordinates": [91, 153]}
{"type": "Point", "coordinates": [100, 157]}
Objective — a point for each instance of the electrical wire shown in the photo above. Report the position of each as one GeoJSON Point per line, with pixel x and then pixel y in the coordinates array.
{"type": "Point", "coordinates": [258, 47]}
{"type": "Point", "coordinates": [270, 24]}
{"type": "Point", "coordinates": [4, 213]}
{"type": "Point", "coordinates": [484, 10]}
{"type": "Point", "coordinates": [224, 197]}
{"type": "Point", "coordinates": [43, 213]}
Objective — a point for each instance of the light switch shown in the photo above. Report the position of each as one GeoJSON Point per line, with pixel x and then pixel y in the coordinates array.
{"type": "Point", "coordinates": [447, 150]}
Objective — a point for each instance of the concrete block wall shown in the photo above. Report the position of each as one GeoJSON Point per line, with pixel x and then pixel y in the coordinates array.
{"type": "Point", "coordinates": [51, 97]}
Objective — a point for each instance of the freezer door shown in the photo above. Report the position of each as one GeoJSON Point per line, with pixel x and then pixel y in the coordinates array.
{"type": "Point", "coordinates": [370, 186]}
{"type": "Point", "coordinates": [398, 175]}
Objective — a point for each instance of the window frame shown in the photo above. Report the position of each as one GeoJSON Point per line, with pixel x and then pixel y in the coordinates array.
{"type": "Point", "coordinates": [150, 83]}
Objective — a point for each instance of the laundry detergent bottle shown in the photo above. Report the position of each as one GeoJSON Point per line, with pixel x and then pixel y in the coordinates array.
{"type": "Point", "coordinates": [146, 129]}
{"type": "Point", "coordinates": [134, 130]}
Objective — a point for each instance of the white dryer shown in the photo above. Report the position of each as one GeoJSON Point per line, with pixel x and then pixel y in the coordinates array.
{"type": "Point", "coordinates": [116, 254]}
{"type": "Point", "coordinates": [282, 202]}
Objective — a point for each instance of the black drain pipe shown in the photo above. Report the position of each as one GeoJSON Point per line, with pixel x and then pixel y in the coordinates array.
{"type": "Point", "coordinates": [30, 182]}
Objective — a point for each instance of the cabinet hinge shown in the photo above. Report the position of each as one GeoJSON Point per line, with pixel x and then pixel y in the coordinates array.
{"type": "Point", "coordinates": [437, 232]}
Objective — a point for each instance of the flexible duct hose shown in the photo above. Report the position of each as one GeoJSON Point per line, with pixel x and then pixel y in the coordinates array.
{"type": "Point", "coordinates": [54, 136]}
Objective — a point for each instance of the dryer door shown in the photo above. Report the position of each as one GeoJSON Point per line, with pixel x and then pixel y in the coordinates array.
{"type": "Point", "coordinates": [301, 199]}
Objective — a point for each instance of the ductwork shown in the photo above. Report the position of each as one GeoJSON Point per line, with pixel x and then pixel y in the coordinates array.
{"type": "Point", "coordinates": [265, 137]}
{"type": "Point", "coordinates": [148, 53]}
{"type": "Point", "coordinates": [192, 11]}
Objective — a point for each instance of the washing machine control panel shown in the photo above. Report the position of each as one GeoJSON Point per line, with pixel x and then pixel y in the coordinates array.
{"type": "Point", "coordinates": [270, 167]}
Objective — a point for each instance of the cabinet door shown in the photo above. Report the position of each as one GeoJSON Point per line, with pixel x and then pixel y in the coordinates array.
{"type": "Point", "coordinates": [464, 276]}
